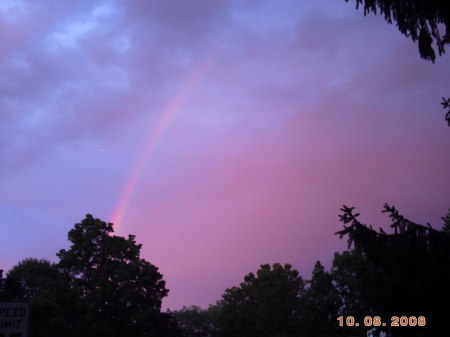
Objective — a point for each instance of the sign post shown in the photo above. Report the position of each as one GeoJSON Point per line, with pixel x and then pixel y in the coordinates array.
{"type": "Point", "coordinates": [14, 317]}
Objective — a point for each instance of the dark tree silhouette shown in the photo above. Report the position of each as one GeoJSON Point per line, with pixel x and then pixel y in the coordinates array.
{"type": "Point", "coordinates": [264, 305]}
{"type": "Point", "coordinates": [53, 302]}
{"type": "Point", "coordinates": [447, 222]}
{"type": "Point", "coordinates": [100, 287]}
{"type": "Point", "coordinates": [354, 282]}
{"type": "Point", "coordinates": [446, 105]}
{"type": "Point", "coordinates": [319, 306]}
{"type": "Point", "coordinates": [121, 293]}
{"type": "Point", "coordinates": [418, 19]}
{"type": "Point", "coordinates": [194, 321]}
{"type": "Point", "coordinates": [405, 273]}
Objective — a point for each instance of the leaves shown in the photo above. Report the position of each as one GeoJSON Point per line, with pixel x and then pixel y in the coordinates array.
{"type": "Point", "coordinates": [446, 105]}
{"type": "Point", "coordinates": [265, 304]}
{"type": "Point", "coordinates": [417, 19]}
{"type": "Point", "coordinates": [117, 286]}
{"type": "Point", "coordinates": [100, 287]}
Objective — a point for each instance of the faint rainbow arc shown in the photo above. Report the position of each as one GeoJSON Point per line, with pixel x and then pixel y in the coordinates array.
{"type": "Point", "coordinates": [163, 123]}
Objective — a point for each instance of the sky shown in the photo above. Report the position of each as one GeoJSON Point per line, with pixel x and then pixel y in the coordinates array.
{"type": "Point", "coordinates": [223, 134]}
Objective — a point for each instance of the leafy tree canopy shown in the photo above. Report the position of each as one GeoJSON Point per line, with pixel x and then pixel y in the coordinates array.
{"type": "Point", "coordinates": [99, 287]}
{"type": "Point", "coordinates": [123, 293]}
{"type": "Point", "coordinates": [446, 105]}
{"type": "Point", "coordinates": [319, 305]}
{"type": "Point", "coordinates": [418, 19]}
{"type": "Point", "coordinates": [48, 290]}
{"type": "Point", "coordinates": [194, 321]}
{"type": "Point", "coordinates": [265, 304]}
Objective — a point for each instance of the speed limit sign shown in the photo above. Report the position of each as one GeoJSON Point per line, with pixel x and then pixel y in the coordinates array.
{"type": "Point", "coordinates": [14, 318]}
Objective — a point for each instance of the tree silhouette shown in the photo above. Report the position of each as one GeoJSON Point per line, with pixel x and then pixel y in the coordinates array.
{"type": "Point", "coordinates": [264, 305]}
{"type": "Point", "coordinates": [53, 302]}
{"type": "Point", "coordinates": [404, 273]}
{"type": "Point", "coordinates": [420, 20]}
{"type": "Point", "coordinates": [319, 305]}
{"type": "Point", "coordinates": [121, 292]}
{"type": "Point", "coordinates": [194, 322]}
{"type": "Point", "coordinates": [354, 282]}
{"type": "Point", "coordinates": [447, 222]}
{"type": "Point", "coordinates": [446, 105]}
{"type": "Point", "coordinates": [100, 287]}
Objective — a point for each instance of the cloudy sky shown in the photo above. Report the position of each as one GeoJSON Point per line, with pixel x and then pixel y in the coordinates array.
{"type": "Point", "coordinates": [223, 134]}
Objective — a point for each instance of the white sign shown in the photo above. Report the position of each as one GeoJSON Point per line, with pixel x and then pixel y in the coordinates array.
{"type": "Point", "coordinates": [14, 317]}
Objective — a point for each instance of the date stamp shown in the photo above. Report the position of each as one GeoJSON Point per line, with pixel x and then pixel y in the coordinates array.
{"type": "Point", "coordinates": [375, 321]}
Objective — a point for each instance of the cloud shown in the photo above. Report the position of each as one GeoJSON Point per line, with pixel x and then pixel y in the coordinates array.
{"type": "Point", "coordinates": [306, 107]}
{"type": "Point", "coordinates": [84, 70]}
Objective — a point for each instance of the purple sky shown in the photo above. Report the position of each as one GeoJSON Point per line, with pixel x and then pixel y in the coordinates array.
{"type": "Point", "coordinates": [226, 134]}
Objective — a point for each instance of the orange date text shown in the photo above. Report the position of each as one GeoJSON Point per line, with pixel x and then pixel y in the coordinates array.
{"type": "Point", "coordinates": [375, 321]}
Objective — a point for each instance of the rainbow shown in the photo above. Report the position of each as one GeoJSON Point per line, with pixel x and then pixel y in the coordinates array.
{"type": "Point", "coordinates": [155, 135]}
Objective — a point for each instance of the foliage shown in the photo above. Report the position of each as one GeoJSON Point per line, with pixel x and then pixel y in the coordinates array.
{"type": "Point", "coordinates": [194, 321]}
{"type": "Point", "coordinates": [447, 222]}
{"type": "Point", "coordinates": [100, 287]}
{"type": "Point", "coordinates": [354, 280]}
{"type": "Point", "coordinates": [319, 306]}
{"type": "Point", "coordinates": [403, 273]}
{"type": "Point", "coordinates": [446, 105]}
{"type": "Point", "coordinates": [420, 20]}
{"type": "Point", "coordinates": [120, 292]}
{"type": "Point", "coordinates": [41, 283]}
{"type": "Point", "coordinates": [265, 304]}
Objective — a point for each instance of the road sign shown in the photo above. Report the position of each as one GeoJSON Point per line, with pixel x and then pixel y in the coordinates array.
{"type": "Point", "coordinates": [14, 317]}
